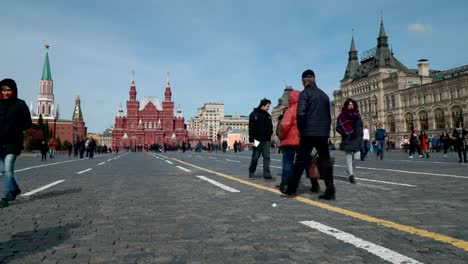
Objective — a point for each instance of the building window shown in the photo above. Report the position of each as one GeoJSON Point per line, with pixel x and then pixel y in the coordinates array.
{"type": "Point", "coordinates": [423, 121]}
{"type": "Point", "coordinates": [409, 122]}
{"type": "Point", "coordinates": [439, 119]}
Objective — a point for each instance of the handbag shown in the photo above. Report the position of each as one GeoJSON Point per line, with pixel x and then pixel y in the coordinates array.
{"type": "Point", "coordinates": [313, 171]}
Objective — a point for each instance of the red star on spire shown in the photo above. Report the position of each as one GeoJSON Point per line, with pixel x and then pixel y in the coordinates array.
{"type": "Point", "coordinates": [47, 46]}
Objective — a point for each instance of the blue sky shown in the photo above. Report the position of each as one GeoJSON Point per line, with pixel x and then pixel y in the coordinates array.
{"type": "Point", "coordinates": [235, 52]}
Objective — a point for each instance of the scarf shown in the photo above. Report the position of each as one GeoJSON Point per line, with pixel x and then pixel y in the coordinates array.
{"type": "Point", "coordinates": [345, 124]}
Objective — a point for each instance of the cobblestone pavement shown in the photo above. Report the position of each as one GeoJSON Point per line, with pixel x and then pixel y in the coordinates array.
{"type": "Point", "coordinates": [155, 208]}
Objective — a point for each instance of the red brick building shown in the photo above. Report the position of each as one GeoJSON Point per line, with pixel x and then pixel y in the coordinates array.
{"type": "Point", "coordinates": [148, 123]}
{"type": "Point", "coordinates": [61, 128]}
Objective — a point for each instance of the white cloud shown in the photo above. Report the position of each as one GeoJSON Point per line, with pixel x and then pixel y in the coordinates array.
{"type": "Point", "coordinates": [419, 28]}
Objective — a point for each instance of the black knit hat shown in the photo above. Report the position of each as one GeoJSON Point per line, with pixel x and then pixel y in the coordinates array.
{"type": "Point", "coordinates": [12, 84]}
{"type": "Point", "coordinates": [308, 74]}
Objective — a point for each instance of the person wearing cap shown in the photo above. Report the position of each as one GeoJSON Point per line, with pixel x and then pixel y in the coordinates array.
{"type": "Point", "coordinates": [260, 132]}
{"type": "Point", "coordinates": [313, 123]}
{"type": "Point", "coordinates": [14, 119]}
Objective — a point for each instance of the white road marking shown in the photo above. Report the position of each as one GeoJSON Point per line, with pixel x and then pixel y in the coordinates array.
{"type": "Point", "coordinates": [220, 185]}
{"type": "Point", "coordinates": [233, 160]}
{"type": "Point", "coordinates": [84, 171]}
{"type": "Point", "coordinates": [168, 161]}
{"type": "Point", "coordinates": [184, 169]}
{"type": "Point", "coordinates": [109, 159]}
{"type": "Point", "coordinates": [381, 252]}
{"type": "Point", "coordinates": [411, 172]}
{"type": "Point", "coordinates": [387, 182]}
{"type": "Point", "coordinates": [212, 157]}
{"type": "Point", "coordinates": [42, 188]}
{"type": "Point", "coordinates": [44, 165]}
{"type": "Point", "coordinates": [101, 163]}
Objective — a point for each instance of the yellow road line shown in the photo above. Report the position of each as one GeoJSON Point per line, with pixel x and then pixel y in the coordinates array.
{"type": "Point", "coordinates": [408, 229]}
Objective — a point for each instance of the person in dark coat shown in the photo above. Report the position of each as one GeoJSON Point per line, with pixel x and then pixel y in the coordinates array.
{"type": "Point", "coordinates": [349, 126]}
{"type": "Point", "coordinates": [44, 150]}
{"type": "Point", "coordinates": [459, 143]}
{"type": "Point", "coordinates": [445, 141]}
{"type": "Point", "coordinates": [260, 131]}
{"type": "Point", "coordinates": [14, 119]}
{"type": "Point", "coordinates": [313, 123]}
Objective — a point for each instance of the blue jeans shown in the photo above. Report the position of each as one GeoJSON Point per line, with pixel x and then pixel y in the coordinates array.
{"type": "Point", "coordinates": [264, 150]}
{"type": "Point", "coordinates": [380, 148]}
{"type": "Point", "coordinates": [288, 159]}
{"type": "Point", "coordinates": [8, 168]}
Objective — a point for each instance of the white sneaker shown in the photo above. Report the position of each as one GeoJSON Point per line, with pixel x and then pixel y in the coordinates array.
{"type": "Point", "coordinates": [421, 156]}
{"type": "Point", "coordinates": [445, 156]}
{"type": "Point", "coordinates": [410, 157]}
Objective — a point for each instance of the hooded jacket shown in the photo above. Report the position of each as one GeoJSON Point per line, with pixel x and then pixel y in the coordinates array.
{"type": "Point", "coordinates": [14, 119]}
{"type": "Point", "coordinates": [289, 134]}
{"type": "Point", "coordinates": [260, 125]}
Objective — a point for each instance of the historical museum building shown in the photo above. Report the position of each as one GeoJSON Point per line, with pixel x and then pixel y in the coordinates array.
{"type": "Point", "coordinates": [64, 129]}
{"type": "Point", "coordinates": [148, 123]}
{"type": "Point", "coordinates": [402, 99]}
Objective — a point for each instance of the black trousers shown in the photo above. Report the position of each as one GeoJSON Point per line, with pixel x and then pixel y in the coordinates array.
{"type": "Point", "coordinates": [303, 160]}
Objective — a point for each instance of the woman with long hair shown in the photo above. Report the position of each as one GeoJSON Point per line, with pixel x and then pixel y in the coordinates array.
{"type": "Point", "coordinates": [349, 125]}
{"type": "Point", "coordinates": [423, 144]}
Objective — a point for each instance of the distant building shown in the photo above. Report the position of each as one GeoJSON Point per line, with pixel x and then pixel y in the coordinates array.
{"type": "Point", "coordinates": [212, 121]}
{"type": "Point", "coordinates": [149, 123]}
{"type": "Point", "coordinates": [402, 99]}
{"type": "Point", "coordinates": [61, 128]}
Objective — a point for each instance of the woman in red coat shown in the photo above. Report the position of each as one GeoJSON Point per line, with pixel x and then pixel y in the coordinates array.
{"type": "Point", "coordinates": [423, 144]}
{"type": "Point", "coordinates": [289, 136]}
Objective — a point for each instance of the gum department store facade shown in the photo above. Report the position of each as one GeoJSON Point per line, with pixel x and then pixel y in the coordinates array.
{"type": "Point", "coordinates": [402, 99]}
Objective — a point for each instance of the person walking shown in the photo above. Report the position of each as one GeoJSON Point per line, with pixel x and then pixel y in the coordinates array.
{"type": "Point", "coordinates": [445, 141]}
{"type": "Point", "coordinates": [44, 149]}
{"type": "Point", "coordinates": [414, 144]}
{"type": "Point", "coordinates": [260, 131]}
{"type": "Point", "coordinates": [289, 136]}
{"type": "Point", "coordinates": [349, 126]}
{"type": "Point", "coordinates": [423, 145]}
{"type": "Point", "coordinates": [14, 119]}
{"type": "Point", "coordinates": [313, 123]}
{"type": "Point", "coordinates": [380, 135]}
{"type": "Point", "coordinates": [458, 135]}
{"type": "Point", "coordinates": [365, 143]}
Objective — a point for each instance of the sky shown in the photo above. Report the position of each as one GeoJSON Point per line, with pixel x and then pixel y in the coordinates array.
{"type": "Point", "coordinates": [231, 51]}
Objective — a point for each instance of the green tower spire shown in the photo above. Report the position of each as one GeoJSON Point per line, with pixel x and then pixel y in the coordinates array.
{"type": "Point", "coordinates": [46, 75]}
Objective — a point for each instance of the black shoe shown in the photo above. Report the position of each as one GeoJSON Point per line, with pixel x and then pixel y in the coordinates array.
{"type": "Point", "coordinates": [328, 195]}
{"type": "Point", "coordinates": [3, 203]}
{"type": "Point", "coordinates": [315, 188]}
{"type": "Point", "coordinates": [287, 194]}
{"type": "Point", "coordinates": [252, 175]}
{"type": "Point", "coordinates": [281, 186]}
{"type": "Point", "coordinates": [351, 179]}
{"type": "Point", "coordinates": [460, 161]}
{"type": "Point", "coordinates": [269, 178]}
{"type": "Point", "coordinates": [13, 194]}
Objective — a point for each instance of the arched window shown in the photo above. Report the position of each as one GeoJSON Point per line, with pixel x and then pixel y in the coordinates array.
{"type": "Point", "coordinates": [43, 109]}
{"type": "Point", "coordinates": [131, 125]}
{"type": "Point", "coordinates": [457, 115]}
{"type": "Point", "coordinates": [49, 111]}
{"type": "Point", "coordinates": [409, 122]}
{"type": "Point", "coordinates": [391, 124]}
{"type": "Point", "coordinates": [439, 119]}
{"type": "Point", "coordinates": [423, 121]}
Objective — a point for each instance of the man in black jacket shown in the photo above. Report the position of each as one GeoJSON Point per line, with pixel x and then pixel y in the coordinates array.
{"type": "Point", "coordinates": [260, 131]}
{"type": "Point", "coordinates": [313, 123]}
{"type": "Point", "coordinates": [14, 119]}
